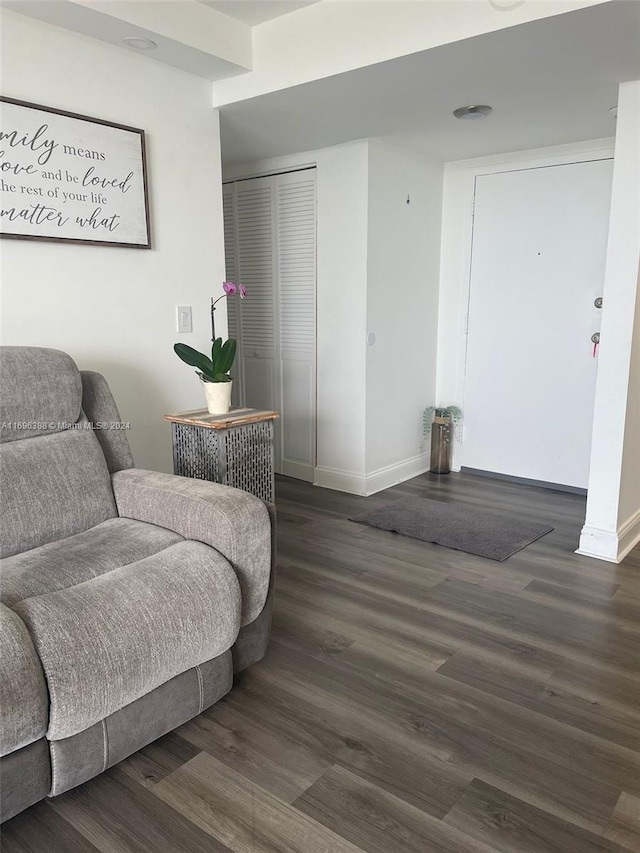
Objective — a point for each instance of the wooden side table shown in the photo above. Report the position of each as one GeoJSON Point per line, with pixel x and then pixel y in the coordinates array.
{"type": "Point", "coordinates": [234, 449]}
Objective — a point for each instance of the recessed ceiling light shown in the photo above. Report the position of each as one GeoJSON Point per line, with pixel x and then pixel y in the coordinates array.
{"type": "Point", "coordinates": [139, 43]}
{"type": "Point", "coordinates": [506, 5]}
{"type": "Point", "coordinates": [475, 111]}
{"type": "Point", "coordinates": [614, 111]}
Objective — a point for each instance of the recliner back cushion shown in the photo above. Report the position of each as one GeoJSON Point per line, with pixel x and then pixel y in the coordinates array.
{"type": "Point", "coordinates": [40, 392]}
{"type": "Point", "coordinates": [54, 480]}
{"type": "Point", "coordinates": [52, 486]}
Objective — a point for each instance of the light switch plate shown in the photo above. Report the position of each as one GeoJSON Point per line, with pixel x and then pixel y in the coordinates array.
{"type": "Point", "coordinates": [184, 320]}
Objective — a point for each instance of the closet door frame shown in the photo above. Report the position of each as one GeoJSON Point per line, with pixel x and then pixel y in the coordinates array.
{"type": "Point", "coordinates": [289, 467]}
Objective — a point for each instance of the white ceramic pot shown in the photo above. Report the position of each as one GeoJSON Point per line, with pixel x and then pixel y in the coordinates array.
{"type": "Point", "coordinates": [218, 396]}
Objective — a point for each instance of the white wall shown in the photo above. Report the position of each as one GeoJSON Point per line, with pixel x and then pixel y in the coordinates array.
{"type": "Point", "coordinates": [341, 295]}
{"type": "Point", "coordinates": [457, 225]}
{"type": "Point", "coordinates": [402, 310]}
{"type": "Point", "coordinates": [377, 270]}
{"type": "Point", "coordinates": [612, 525]}
{"type": "Point", "coordinates": [342, 176]}
{"type": "Point", "coordinates": [113, 309]}
{"type": "Point", "coordinates": [629, 505]}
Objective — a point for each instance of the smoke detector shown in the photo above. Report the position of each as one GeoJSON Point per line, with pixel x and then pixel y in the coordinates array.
{"type": "Point", "coordinates": [139, 43]}
{"type": "Point", "coordinates": [475, 111]}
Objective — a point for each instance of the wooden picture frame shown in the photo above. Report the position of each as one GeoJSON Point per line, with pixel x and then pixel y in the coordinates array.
{"type": "Point", "coordinates": [71, 178]}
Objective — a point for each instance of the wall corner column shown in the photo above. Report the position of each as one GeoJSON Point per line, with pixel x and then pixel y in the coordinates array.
{"type": "Point", "coordinates": [612, 523]}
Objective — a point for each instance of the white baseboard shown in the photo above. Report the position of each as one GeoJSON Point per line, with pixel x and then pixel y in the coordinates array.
{"type": "Point", "coordinates": [628, 535]}
{"type": "Point", "coordinates": [297, 470]}
{"type": "Point", "coordinates": [391, 475]}
{"type": "Point", "coordinates": [609, 545]}
{"type": "Point", "coordinates": [598, 543]}
{"type": "Point", "coordinates": [340, 481]}
{"type": "Point", "coordinates": [376, 481]}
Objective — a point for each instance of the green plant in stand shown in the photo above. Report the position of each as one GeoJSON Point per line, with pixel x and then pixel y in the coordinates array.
{"type": "Point", "coordinates": [213, 372]}
{"type": "Point", "coordinates": [453, 413]}
{"type": "Point", "coordinates": [214, 369]}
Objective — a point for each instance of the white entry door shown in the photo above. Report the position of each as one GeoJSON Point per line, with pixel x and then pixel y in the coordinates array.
{"type": "Point", "coordinates": [539, 246]}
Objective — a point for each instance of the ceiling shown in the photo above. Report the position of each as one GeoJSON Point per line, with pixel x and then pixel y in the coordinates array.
{"type": "Point", "coordinates": [111, 22]}
{"type": "Point", "coordinates": [550, 81]}
{"type": "Point", "coordinates": [210, 38]}
{"type": "Point", "coordinates": [254, 12]}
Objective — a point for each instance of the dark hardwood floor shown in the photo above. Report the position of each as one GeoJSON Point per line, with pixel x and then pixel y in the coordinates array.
{"type": "Point", "coordinates": [414, 700]}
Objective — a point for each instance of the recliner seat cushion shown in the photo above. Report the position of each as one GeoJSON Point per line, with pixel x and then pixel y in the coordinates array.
{"type": "Point", "coordinates": [59, 565]}
{"type": "Point", "coordinates": [23, 692]}
{"type": "Point", "coordinates": [106, 642]}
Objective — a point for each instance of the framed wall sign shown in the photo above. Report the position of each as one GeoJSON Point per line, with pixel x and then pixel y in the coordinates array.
{"type": "Point", "coordinates": [70, 177]}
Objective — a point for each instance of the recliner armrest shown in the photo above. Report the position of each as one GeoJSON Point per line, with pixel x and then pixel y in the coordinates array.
{"type": "Point", "coordinates": [233, 522]}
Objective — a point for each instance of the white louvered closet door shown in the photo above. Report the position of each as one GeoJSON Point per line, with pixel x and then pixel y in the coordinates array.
{"type": "Point", "coordinates": [296, 224]}
{"type": "Point", "coordinates": [253, 322]}
{"type": "Point", "coordinates": [270, 243]}
{"type": "Point", "coordinates": [228, 204]}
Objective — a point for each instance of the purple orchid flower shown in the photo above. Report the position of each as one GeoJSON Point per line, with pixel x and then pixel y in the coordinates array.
{"type": "Point", "coordinates": [230, 289]}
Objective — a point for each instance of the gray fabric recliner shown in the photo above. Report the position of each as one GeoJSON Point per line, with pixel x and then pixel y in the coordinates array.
{"type": "Point", "coordinates": [128, 597]}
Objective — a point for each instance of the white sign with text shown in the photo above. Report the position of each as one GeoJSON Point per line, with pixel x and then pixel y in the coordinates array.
{"type": "Point", "coordinates": [70, 177]}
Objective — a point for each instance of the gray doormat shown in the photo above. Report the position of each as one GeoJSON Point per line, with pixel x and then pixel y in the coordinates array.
{"type": "Point", "coordinates": [486, 534]}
